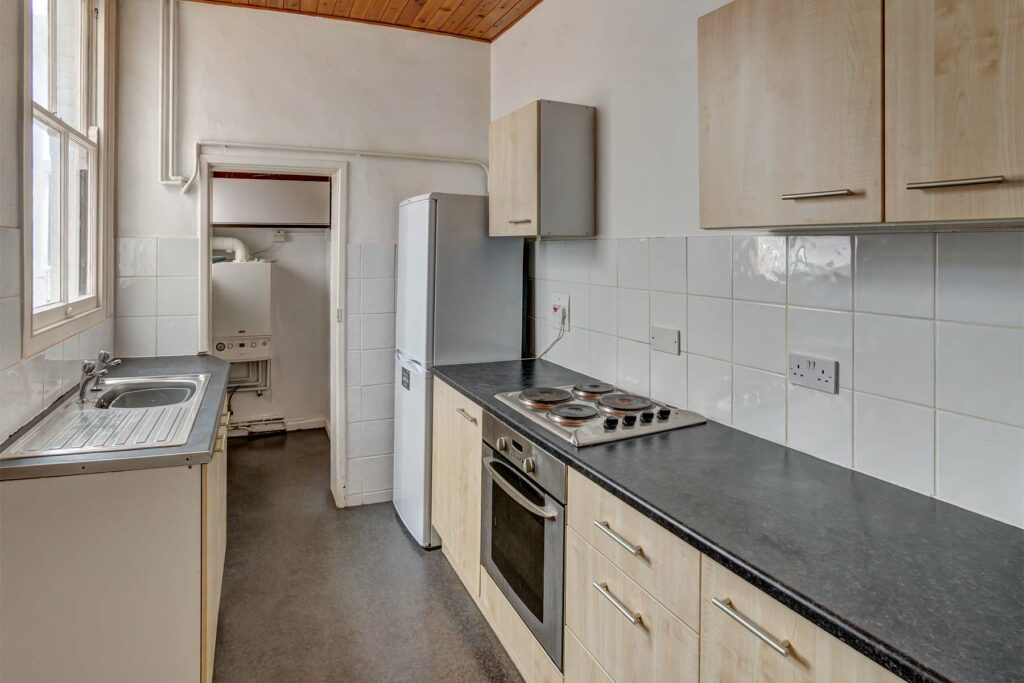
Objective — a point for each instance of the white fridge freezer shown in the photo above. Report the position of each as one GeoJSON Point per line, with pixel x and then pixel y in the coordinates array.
{"type": "Point", "coordinates": [459, 300]}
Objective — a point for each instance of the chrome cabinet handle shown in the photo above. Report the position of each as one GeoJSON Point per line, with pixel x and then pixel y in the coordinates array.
{"type": "Point", "coordinates": [634, 617]}
{"type": "Point", "coordinates": [466, 415]}
{"type": "Point", "coordinates": [780, 646]}
{"type": "Point", "coordinates": [957, 182]}
{"type": "Point", "coordinates": [517, 221]}
{"type": "Point", "coordinates": [845, 192]}
{"type": "Point", "coordinates": [634, 550]}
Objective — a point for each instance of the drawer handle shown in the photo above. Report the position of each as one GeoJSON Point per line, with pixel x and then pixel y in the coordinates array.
{"type": "Point", "coordinates": [466, 415]}
{"type": "Point", "coordinates": [517, 221]}
{"type": "Point", "coordinates": [634, 617]}
{"type": "Point", "coordinates": [958, 182]}
{"type": "Point", "coordinates": [780, 646]}
{"type": "Point", "coordinates": [633, 550]}
{"type": "Point", "coordinates": [845, 192]}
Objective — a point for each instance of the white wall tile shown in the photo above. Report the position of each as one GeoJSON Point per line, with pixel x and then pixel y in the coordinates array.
{"type": "Point", "coordinates": [353, 332]}
{"type": "Point", "coordinates": [980, 278]}
{"type": "Point", "coordinates": [634, 314]}
{"type": "Point", "coordinates": [378, 260]}
{"type": "Point", "coordinates": [604, 262]}
{"type": "Point", "coordinates": [825, 334]}
{"type": "Point", "coordinates": [378, 331]}
{"type": "Point", "coordinates": [759, 269]}
{"type": "Point", "coordinates": [177, 335]}
{"type": "Point", "coordinates": [12, 409]}
{"type": "Point", "coordinates": [709, 327]}
{"type": "Point", "coordinates": [353, 406]}
{"type": "Point", "coordinates": [136, 296]}
{"type": "Point", "coordinates": [895, 357]}
{"type": "Point", "coordinates": [576, 264]}
{"type": "Point", "coordinates": [895, 441]}
{"type": "Point", "coordinates": [378, 295]}
{"type": "Point", "coordinates": [377, 366]}
{"type": "Point", "coordinates": [759, 403]}
{"type": "Point", "coordinates": [353, 438]}
{"type": "Point", "coordinates": [73, 361]}
{"type": "Point", "coordinates": [53, 374]}
{"type": "Point", "coordinates": [980, 371]}
{"type": "Point", "coordinates": [545, 334]}
{"type": "Point", "coordinates": [668, 264]}
{"type": "Point", "coordinates": [895, 274]}
{"type": "Point", "coordinates": [10, 262]}
{"type": "Point", "coordinates": [177, 296]}
{"type": "Point", "coordinates": [820, 272]}
{"type": "Point", "coordinates": [550, 259]}
{"type": "Point", "coordinates": [980, 466]}
{"type": "Point", "coordinates": [577, 350]}
{"type": "Point", "coordinates": [353, 369]}
{"type": "Point", "coordinates": [821, 424]}
{"type": "Point", "coordinates": [604, 357]}
{"type": "Point", "coordinates": [353, 295]}
{"type": "Point", "coordinates": [709, 388]}
{"type": "Point", "coordinates": [373, 497]}
{"type": "Point", "coordinates": [579, 304]}
{"type": "Point", "coordinates": [136, 256]}
{"type": "Point", "coordinates": [354, 482]}
{"type": "Point", "coordinates": [378, 402]}
{"type": "Point", "coordinates": [669, 310]}
{"type": "Point", "coordinates": [668, 378]}
{"type": "Point", "coordinates": [34, 382]}
{"type": "Point", "coordinates": [135, 337]}
{"type": "Point", "coordinates": [10, 332]}
{"type": "Point", "coordinates": [634, 264]}
{"type": "Point", "coordinates": [634, 366]}
{"type": "Point", "coordinates": [604, 309]}
{"type": "Point", "coordinates": [709, 266]}
{"type": "Point", "coordinates": [378, 438]}
{"type": "Point", "coordinates": [177, 257]}
{"type": "Point", "coordinates": [378, 475]}
{"type": "Point", "coordinates": [353, 260]}
{"type": "Point", "coordinates": [759, 336]}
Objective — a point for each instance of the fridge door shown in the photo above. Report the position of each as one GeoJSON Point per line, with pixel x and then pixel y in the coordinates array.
{"type": "Point", "coordinates": [415, 280]}
{"type": "Point", "coordinates": [413, 394]}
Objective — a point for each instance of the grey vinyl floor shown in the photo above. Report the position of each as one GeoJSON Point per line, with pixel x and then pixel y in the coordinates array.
{"type": "Point", "coordinates": [314, 593]}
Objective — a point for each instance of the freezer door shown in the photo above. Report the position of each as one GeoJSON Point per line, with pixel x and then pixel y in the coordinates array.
{"type": "Point", "coordinates": [413, 392]}
{"type": "Point", "coordinates": [415, 281]}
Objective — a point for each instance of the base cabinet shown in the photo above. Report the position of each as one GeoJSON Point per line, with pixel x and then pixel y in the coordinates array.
{"type": "Point", "coordinates": [214, 535]}
{"type": "Point", "coordinates": [525, 651]}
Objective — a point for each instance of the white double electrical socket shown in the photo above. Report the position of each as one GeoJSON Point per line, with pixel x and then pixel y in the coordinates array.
{"type": "Point", "coordinates": [814, 373]}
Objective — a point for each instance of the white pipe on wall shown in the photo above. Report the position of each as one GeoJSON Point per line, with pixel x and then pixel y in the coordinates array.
{"type": "Point", "coordinates": [232, 244]}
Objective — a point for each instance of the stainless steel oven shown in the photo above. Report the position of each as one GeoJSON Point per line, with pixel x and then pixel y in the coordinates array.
{"type": "Point", "coordinates": [522, 530]}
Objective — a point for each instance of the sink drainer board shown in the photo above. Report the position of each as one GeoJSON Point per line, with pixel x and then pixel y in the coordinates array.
{"type": "Point", "coordinates": [91, 426]}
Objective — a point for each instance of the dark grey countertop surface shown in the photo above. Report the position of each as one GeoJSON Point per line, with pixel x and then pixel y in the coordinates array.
{"type": "Point", "coordinates": [196, 451]}
{"type": "Point", "coordinates": [926, 589]}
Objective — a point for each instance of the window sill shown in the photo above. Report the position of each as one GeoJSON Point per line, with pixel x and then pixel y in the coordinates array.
{"type": "Point", "coordinates": [35, 342]}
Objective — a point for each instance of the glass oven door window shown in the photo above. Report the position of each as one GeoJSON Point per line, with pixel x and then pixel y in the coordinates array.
{"type": "Point", "coordinates": [517, 541]}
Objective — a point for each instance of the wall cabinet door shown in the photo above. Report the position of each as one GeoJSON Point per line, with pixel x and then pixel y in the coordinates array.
{"type": "Point", "coordinates": [954, 109]}
{"type": "Point", "coordinates": [455, 481]}
{"type": "Point", "coordinates": [802, 652]}
{"type": "Point", "coordinates": [790, 113]}
{"type": "Point", "coordinates": [513, 184]}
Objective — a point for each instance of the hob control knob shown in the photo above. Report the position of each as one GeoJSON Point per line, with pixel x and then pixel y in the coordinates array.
{"type": "Point", "coordinates": [611, 422]}
{"type": "Point", "coordinates": [502, 444]}
{"type": "Point", "coordinates": [529, 464]}
{"type": "Point", "coordinates": [629, 420]}
{"type": "Point", "coordinates": [664, 413]}
{"type": "Point", "coordinates": [646, 417]}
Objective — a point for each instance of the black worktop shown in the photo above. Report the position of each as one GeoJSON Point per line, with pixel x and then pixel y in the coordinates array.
{"type": "Point", "coordinates": [926, 589]}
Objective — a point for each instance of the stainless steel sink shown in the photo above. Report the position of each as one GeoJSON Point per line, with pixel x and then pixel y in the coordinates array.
{"type": "Point", "coordinates": [130, 413]}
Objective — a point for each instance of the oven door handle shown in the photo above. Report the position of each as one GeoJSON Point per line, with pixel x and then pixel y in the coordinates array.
{"type": "Point", "coordinates": [542, 512]}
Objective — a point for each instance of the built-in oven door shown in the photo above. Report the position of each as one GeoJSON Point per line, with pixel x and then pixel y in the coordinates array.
{"type": "Point", "coordinates": [522, 547]}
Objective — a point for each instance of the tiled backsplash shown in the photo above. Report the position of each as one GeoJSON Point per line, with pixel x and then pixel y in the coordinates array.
{"type": "Point", "coordinates": [928, 331]}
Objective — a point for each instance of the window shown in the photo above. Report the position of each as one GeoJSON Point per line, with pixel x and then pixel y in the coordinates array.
{"type": "Point", "coordinates": [65, 243]}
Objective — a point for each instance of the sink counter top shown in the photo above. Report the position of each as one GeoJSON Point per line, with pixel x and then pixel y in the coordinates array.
{"type": "Point", "coordinates": [195, 451]}
{"type": "Point", "coordinates": [928, 590]}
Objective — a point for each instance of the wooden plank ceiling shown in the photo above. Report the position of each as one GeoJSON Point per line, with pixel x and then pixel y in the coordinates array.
{"type": "Point", "coordinates": [474, 19]}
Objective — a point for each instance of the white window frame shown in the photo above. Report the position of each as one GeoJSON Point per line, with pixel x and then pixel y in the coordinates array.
{"type": "Point", "coordinates": [50, 325]}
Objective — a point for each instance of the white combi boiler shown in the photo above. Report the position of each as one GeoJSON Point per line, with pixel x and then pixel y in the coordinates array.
{"type": "Point", "coordinates": [241, 310]}
{"type": "Point", "coordinates": [459, 300]}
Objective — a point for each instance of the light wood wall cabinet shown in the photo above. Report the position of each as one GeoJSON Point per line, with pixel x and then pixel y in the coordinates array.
{"type": "Point", "coordinates": [954, 109]}
{"type": "Point", "coordinates": [542, 171]}
{"type": "Point", "coordinates": [748, 636]}
{"type": "Point", "coordinates": [790, 113]}
{"type": "Point", "coordinates": [455, 481]}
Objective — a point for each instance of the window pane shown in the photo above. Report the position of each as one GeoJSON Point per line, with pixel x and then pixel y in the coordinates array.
{"type": "Point", "coordinates": [68, 62]}
{"type": "Point", "coordinates": [41, 52]}
{"type": "Point", "coordinates": [46, 247]}
{"type": "Point", "coordinates": [81, 226]}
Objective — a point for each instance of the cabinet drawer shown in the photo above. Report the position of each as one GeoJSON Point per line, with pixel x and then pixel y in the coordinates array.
{"type": "Point", "coordinates": [660, 563]}
{"type": "Point", "coordinates": [579, 665]}
{"type": "Point", "coordinates": [775, 644]}
{"type": "Point", "coordinates": [630, 634]}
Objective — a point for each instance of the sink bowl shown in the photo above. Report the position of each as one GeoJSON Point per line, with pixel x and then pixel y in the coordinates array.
{"type": "Point", "coordinates": [147, 393]}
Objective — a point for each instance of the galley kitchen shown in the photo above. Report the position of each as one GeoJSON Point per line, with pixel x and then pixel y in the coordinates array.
{"type": "Point", "coordinates": [523, 340]}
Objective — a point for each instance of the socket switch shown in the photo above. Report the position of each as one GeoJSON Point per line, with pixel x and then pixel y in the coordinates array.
{"type": "Point", "coordinates": [560, 307]}
{"type": "Point", "coordinates": [814, 373]}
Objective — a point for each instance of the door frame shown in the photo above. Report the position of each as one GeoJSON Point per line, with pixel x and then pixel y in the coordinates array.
{"type": "Point", "coordinates": [335, 166]}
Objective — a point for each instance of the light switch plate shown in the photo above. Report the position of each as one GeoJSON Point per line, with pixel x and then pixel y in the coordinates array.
{"type": "Point", "coordinates": [814, 373]}
{"type": "Point", "coordinates": [665, 339]}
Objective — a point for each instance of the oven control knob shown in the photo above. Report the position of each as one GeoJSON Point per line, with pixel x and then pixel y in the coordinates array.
{"type": "Point", "coordinates": [646, 417]}
{"type": "Point", "coordinates": [529, 464]}
{"type": "Point", "coordinates": [664, 413]}
{"type": "Point", "coordinates": [502, 444]}
{"type": "Point", "coordinates": [611, 422]}
{"type": "Point", "coordinates": [629, 420]}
